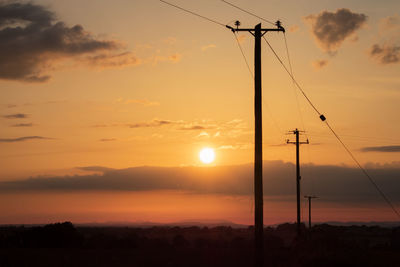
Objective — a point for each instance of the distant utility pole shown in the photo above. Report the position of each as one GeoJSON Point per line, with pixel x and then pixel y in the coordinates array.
{"type": "Point", "coordinates": [298, 177]}
{"type": "Point", "coordinates": [258, 33]}
{"type": "Point", "coordinates": [309, 210]}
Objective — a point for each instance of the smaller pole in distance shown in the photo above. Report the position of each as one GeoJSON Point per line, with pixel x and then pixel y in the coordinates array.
{"type": "Point", "coordinates": [309, 210]}
{"type": "Point", "coordinates": [296, 132]}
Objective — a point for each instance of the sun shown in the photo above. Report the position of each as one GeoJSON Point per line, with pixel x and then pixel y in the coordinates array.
{"type": "Point", "coordinates": [207, 155]}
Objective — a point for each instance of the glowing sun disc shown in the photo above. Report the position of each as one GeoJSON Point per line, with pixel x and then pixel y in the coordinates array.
{"type": "Point", "coordinates": [207, 155]}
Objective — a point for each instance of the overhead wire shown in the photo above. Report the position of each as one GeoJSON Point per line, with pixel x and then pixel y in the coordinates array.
{"type": "Point", "coordinates": [363, 170]}
{"type": "Point", "coordinates": [291, 76]}
{"type": "Point", "coordinates": [193, 13]}
{"type": "Point", "coordinates": [383, 195]}
{"type": "Point", "coordinates": [294, 89]}
{"type": "Point", "coordinates": [308, 174]}
{"type": "Point", "coordinates": [244, 56]}
{"type": "Point", "coordinates": [248, 12]}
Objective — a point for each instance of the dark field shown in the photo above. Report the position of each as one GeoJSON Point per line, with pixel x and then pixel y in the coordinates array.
{"type": "Point", "coordinates": [326, 245]}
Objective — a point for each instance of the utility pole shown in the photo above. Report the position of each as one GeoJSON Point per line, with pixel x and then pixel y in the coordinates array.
{"type": "Point", "coordinates": [309, 210]}
{"type": "Point", "coordinates": [298, 177]}
{"type": "Point", "coordinates": [258, 33]}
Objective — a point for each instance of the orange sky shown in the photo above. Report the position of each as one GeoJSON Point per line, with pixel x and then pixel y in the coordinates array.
{"type": "Point", "coordinates": [141, 83]}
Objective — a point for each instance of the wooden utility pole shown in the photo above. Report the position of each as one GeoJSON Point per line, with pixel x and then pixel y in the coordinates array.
{"type": "Point", "coordinates": [309, 210]}
{"type": "Point", "coordinates": [258, 33]}
{"type": "Point", "coordinates": [298, 177]}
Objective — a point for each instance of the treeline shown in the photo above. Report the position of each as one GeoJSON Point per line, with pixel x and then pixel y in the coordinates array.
{"type": "Point", "coordinates": [324, 245]}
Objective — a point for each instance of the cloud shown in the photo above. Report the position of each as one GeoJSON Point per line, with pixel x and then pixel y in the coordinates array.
{"type": "Point", "coordinates": [235, 147]}
{"type": "Point", "coordinates": [319, 64]}
{"type": "Point", "coordinates": [331, 29]}
{"type": "Point", "coordinates": [50, 102]}
{"type": "Point", "coordinates": [143, 102]}
{"type": "Point", "coordinates": [99, 169]}
{"type": "Point", "coordinates": [22, 125]}
{"type": "Point", "coordinates": [206, 47]}
{"type": "Point", "coordinates": [153, 123]}
{"type": "Point", "coordinates": [193, 127]}
{"type": "Point", "coordinates": [203, 135]}
{"type": "Point", "coordinates": [387, 50]}
{"type": "Point", "coordinates": [11, 106]}
{"type": "Point", "coordinates": [230, 129]}
{"type": "Point", "coordinates": [335, 183]}
{"type": "Point", "coordinates": [385, 54]}
{"type": "Point", "coordinates": [16, 116]}
{"type": "Point", "coordinates": [107, 140]}
{"type": "Point", "coordinates": [33, 41]}
{"type": "Point", "coordinates": [22, 139]}
{"type": "Point", "coordinates": [109, 60]}
{"type": "Point", "coordinates": [174, 58]}
{"type": "Point", "coordinates": [390, 23]}
{"type": "Point", "coordinates": [381, 149]}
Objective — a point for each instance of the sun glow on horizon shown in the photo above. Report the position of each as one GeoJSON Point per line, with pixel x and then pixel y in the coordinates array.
{"type": "Point", "coordinates": [207, 155]}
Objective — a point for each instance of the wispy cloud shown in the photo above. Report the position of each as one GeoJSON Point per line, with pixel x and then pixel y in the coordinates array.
{"type": "Point", "coordinates": [381, 149]}
{"type": "Point", "coordinates": [193, 127]}
{"type": "Point", "coordinates": [206, 47]}
{"type": "Point", "coordinates": [143, 102]}
{"type": "Point", "coordinates": [107, 59]}
{"type": "Point", "coordinates": [387, 49]}
{"type": "Point", "coordinates": [22, 125]}
{"type": "Point", "coordinates": [215, 129]}
{"type": "Point", "coordinates": [107, 140]}
{"type": "Point", "coordinates": [50, 102]}
{"type": "Point", "coordinates": [174, 58]}
{"type": "Point", "coordinates": [16, 116]}
{"type": "Point", "coordinates": [385, 54]}
{"type": "Point", "coordinates": [22, 139]}
{"type": "Point", "coordinates": [390, 23]}
{"type": "Point", "coordinates": [237, 146]}
{"type": "Point", "coordinates": [331, 29]}
{"type": "Point", "coordinates": [153, 123]}
{"type": "Point", "coordinates": [319, 64]}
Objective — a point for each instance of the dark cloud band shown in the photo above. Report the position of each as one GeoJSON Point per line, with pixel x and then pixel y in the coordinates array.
{"type": "Point", "coordinates": [381, 149]}
{"type": "Point", "coordinates": [22, 139]}
{"type": "Point", "coordinates": [337, 183]}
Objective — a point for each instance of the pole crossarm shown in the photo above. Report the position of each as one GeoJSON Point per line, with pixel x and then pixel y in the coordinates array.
{"type": "Point", "coordinates": [300, 143]}
{"type": "Point", "coordinates": [297, 133]}
{"type": "Point", "coordinates": [310, 197]}
{"type": "Point", "coordinates": [279, 28]}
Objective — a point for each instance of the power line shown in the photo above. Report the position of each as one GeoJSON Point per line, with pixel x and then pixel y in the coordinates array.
{"type": "Point", "coordinates": [248, 12]}
{"type": "Point", "coordinates": [193, 13]}
{"type": "Point", "coordinates": [244, 56]}
{"type": "Point", "coordinates": [298, 107]}
{"type": "Point", "coordinates": [363, 170]}
{"type": "Point", "coordinates": [294, 89]}
{"type": "Point", "coordinates": [294, 80]}
{"type": "Point", "coordinates": [337, 136]}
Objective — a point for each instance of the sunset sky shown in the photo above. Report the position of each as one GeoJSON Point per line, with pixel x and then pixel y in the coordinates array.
{"type": "Point", "coordinates": [92, 91]}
